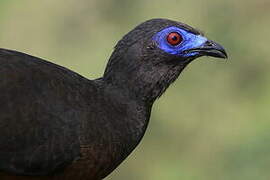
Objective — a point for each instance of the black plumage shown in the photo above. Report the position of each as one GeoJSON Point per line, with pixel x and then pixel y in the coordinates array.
{"type": "Point", "coordinates": [56, 124]}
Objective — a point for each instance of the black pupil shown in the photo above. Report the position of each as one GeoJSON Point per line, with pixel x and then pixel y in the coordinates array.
{"type": "Point", "coordinates": [174, 38]}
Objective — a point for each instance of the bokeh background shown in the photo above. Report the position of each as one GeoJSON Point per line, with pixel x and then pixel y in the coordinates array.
{"type": "Point", "coordinates": [213, 123]}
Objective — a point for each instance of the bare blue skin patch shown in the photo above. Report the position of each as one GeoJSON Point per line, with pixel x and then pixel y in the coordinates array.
{"type": "Point", "coordinates": [189, 41]}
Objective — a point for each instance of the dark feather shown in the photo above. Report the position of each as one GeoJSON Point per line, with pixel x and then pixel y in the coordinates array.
{"type": "Point", "coordinates": [58, 125]}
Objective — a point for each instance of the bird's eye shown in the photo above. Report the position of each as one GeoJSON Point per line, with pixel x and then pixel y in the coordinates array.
{"type": "Point", "coordinates": [174, 38]}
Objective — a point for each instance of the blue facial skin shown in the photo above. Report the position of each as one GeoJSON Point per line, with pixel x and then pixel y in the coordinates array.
{"type": "Point", "coordinates": [189, 41]}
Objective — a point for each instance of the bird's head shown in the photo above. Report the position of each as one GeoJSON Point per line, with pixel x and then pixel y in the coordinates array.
{"type": "Point", "coordinates": [153, 54]}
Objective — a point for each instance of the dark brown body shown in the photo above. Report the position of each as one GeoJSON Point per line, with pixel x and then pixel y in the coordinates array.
{"type": "Point", "coordinates": [83, 169]}
{"type": "Point", "coordinates": [58, 120]}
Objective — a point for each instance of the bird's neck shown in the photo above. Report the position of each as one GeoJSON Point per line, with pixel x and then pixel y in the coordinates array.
{"type": "Point", "coordinates": [145, 83]}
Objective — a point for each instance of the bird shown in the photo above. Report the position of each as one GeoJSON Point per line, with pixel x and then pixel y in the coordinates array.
{"type": "Point", "coordinates": [58, 125]}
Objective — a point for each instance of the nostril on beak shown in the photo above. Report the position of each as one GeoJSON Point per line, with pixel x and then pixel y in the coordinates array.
{"type": "Point", "coordinates": [209, 43]}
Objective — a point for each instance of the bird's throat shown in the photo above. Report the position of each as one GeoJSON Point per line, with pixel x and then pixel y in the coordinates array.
{"type": "Point", "coordinates": [143, 83]}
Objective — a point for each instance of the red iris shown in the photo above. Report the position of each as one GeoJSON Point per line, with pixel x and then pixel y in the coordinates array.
{"type": "Point", "coordinates": [174, 38]}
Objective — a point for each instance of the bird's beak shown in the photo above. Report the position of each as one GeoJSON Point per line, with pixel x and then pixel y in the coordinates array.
{"type": "Point", "coordinates": [210, 48]}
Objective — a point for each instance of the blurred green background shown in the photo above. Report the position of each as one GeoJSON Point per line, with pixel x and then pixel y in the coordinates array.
{"type": "Point", "coordinates": [213, 123]}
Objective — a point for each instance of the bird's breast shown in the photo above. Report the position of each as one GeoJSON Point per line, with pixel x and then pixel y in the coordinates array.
{"type": "Point", "coordinates": [107, 142]}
